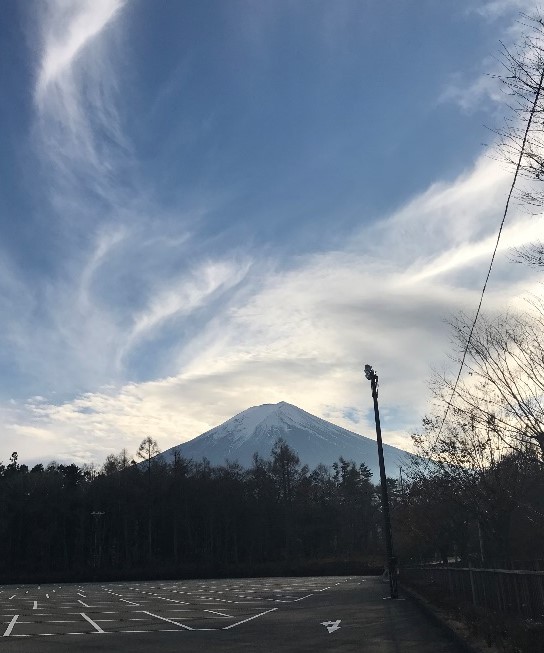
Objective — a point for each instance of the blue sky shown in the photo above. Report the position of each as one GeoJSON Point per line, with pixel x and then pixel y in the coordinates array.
{"type": "Point", "coordinates": [211, 205]}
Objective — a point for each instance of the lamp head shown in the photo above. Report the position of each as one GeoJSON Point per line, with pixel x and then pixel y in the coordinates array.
{"type": "Point", "coordinates": [369, 372]}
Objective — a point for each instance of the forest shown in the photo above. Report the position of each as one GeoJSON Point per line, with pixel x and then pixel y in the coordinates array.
{"type": "Point", "coordinates": [185, 519]}
{"type": "Point", "coordinates": [472, 495]}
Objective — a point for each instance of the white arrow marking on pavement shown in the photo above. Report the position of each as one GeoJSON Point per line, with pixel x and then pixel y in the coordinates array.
{"type": "Point", "coordinates": [331, 626]}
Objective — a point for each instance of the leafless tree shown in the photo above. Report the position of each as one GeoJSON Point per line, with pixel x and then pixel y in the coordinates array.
{"type": "Point", "coordinates": [503, 388]}
{"type": "Point", "coordinates": [473, 466]}
{"type": "Point", "coordinates": [522, 137]}
{"type": "Point", "coordinates": [147, 450]}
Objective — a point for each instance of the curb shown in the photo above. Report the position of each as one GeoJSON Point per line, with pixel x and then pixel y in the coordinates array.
{"type": "Point", "coordinates": [446, 627]}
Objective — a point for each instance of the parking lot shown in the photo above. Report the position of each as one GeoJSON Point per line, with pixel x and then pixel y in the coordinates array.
{"type": "Point", "coordinates": [44, 611]}
{"type": "Point", "coordinates": [336, 614]}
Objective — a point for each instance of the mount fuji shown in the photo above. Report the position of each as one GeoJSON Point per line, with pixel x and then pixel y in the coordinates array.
{"type": "Point", "coordinates": [315, 440]}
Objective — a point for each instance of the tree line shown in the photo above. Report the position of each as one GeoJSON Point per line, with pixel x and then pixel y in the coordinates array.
{"type": "Point", "coordinates": [183, 517]}
{"type": "Point", "coordinates": [477, 490]}
{"type": "Point", "coordinates": [474, 494]}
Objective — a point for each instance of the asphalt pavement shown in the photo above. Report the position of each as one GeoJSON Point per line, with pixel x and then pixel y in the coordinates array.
{"type": "Point", "coordinates": [333, 614]}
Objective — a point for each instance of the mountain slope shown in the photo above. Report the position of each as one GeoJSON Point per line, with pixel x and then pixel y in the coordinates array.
{"type": "Point", "coordinates": [315, 440]}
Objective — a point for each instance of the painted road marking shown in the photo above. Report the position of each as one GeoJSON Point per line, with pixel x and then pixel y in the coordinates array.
{"type": "Point", "coordinates": [249, 619]}
{"type": "Point", "coordinates": [10, 626]}
{"type": "Point", "coordinates": [331, 626]}
{"type": "Point", "coordinates": [197, 595]}
{"type": "Point", "coordinates": [94, 624]}
{"type": "Point", "coordinates": [221, 614]}
{"type": "Point", "coordinates": [169, 620]}
{"type": "Point", "coordinates": [163, 598]}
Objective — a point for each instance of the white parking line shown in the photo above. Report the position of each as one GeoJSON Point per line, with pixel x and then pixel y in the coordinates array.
{"type": "Point", "coordinates": [221, 614]}
{"type": "Point", "coordinates": [127, 601]}
{"type": "Point", "coordinates": [10, 626]}
{"type": "Point", "coordinates": [163, 598]}
{"type": "Point", "coordinates": [249, 619]}
{"type": "Point", "coordinates": [169, 620]}
{"type": "Point", "coordinates": [95, 625]}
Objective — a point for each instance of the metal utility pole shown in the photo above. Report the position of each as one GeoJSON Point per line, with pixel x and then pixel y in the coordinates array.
{"type": "Point", "coordinates": [391, 559]}
{"type": "Point", "coordinates": [97, 515]}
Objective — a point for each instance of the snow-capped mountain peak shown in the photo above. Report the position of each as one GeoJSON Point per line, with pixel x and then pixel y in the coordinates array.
{"type": "Point", "coordinates": [256, 429]}
{"type": "Point", "coordinates": [244, 425]}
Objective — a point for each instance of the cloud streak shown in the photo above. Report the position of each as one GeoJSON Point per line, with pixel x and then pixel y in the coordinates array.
{"type": "Point", "coordinates": [302, 335]}
{"type": "Point", "coordinates": [79, 133]}
{"type": "Point", "coordinates": [68, 29]}
{"type": "Point", "coordinates": [134, 296]}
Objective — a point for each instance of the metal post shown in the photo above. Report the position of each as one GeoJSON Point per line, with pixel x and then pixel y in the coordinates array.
{"type": "Point", "coordinates": [391, 558]}
{"type": "Point", "coordinates": [97, 514]}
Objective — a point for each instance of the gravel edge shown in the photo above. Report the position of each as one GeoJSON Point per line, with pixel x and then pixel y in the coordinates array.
{"type": "Point", "coordinates": [453, 629]}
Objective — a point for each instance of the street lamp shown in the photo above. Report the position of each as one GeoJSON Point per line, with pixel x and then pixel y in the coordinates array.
{"type": "Point", "coordinates": [391, 559]}
{"type": "Point", "coordinates": [97, 515]}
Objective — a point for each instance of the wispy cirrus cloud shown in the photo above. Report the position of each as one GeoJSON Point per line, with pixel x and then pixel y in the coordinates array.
{"type": "Point", "coordinates": [67, 29]}
{"type": "Point", "coordinates": [133, 296]}
{"type": "Point", "coordinates": [78, 129]}
{"type": "Point", "coordinates": [180, 298]}
{"type": "Point", "coordinates": [302, 334]}
{"type": "Point", "coordinates": [481, 88]}
{"type": "Point", "coordinates": [127, 265]}
{"type": "Point", "coordinates": [493, 9]}
{"type": "Point", "coordinates": [473, 94]}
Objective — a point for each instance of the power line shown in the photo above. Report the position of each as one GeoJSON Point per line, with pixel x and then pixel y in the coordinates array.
{"type": "Point", "coordinates": [518, 167]}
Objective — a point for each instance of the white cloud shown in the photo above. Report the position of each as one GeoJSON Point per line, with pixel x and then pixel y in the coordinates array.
{"type": "Point", "coordinates": [78, 130]}
{"type": "Point", "coordinates": [106, 241]}
{"type": "Point", "coordinates": [183, 296]}
{"type": "Point", "coordinates": [303, 334]}
{"type": "Point", "coordinates": [300, 335]}
{"type": "Point", "coordinates": [481, 89]}
{"type": "Point", "coordinates": [494, 9]}
{"type": "Point", "coordinates": [469, 95]}
{"type": "Point", "coordinates": [69, 26]}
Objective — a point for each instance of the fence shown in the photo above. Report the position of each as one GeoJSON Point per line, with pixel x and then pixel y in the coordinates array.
{"type": "Point", "coordinates": [515, 592]}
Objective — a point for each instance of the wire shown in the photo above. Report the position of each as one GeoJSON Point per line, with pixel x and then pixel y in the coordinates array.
{"type": "Point", "coordinates": [518, 167]}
